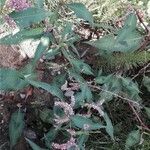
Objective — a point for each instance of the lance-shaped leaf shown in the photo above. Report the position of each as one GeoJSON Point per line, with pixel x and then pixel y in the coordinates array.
{"type": "Point", "coordinates": [29, 16]}
{"type": "Point", "coordinates": [146, 82]}
{"type": "Point", "coordinates": [85, 123]}
{"type": "Point", "coordinates": [81, 11]}
{"type": "Point", "coordinates": [34, 146]}
{"type": "Point", "coordinates": [147, 109]}
{"type": "Point", "coordinates": [16, 126]}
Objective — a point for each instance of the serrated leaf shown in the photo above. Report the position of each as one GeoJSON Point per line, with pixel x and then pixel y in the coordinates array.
{"type": "Point", "coordinates": [146, 82]}
{"type": "Point", "coordinates": [133, 138]}
{"type": "Point", "coordinates": [54, 90]}
{"type": "Point", "coordinates": [21, 36]}
{"type": "Point", "coordinates": [34, 146]}
{"type": "Point", "coordinates": [16, 127]}
{"type": "Point", "coordinates": [147, 109]}
{"type": "Point", "coordinates": [81, 122]}
{"type": "Point", "coordinates": [109, 126]}
{"type": "Point", "coordinates": [81, 11]}
{"type": "Point", "coordinates": [29, 16]}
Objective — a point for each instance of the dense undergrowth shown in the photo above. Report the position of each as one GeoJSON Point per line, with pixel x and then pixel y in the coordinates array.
{"type": "Point", "coordinates": [98, 80]}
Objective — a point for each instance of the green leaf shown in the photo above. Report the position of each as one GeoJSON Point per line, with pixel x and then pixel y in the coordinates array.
{"type": "Point", "coordinates": [81, 11]}
{"type": "Point", "coordinates": [29, 16]}
{"type": "Point", "coordinates": [16, 127]}
{"type": "Point", "coordinates": [81, 122]}
{"type": "Point", "coordinates": [43, 45]}
{"type": "Point", "coordinates": [133, 138]}
{"type": "Point", "coordinates": [81, 66]}
{"type": "Point", "coordinates": [147, 109]}
{"type": "Point", "coordinates": [54, 90]}
{"type": "Point", "coordinates": [146, 82]}
{"type": "Point", "coordinates": [81, 140]}
{"type": "Point", "coordinates": [22, 35]}
{"type": "Point", "coordinates": [11, 79]}
{"type": "Point", "coordinates": [39, 3]}
{"type": "Point", "coordinates": [33, 145]}
{"type": "Point", "coordinates": [50, 137]}
{"type": "Point", "coordinates": [109, 126]}
{"type": "Point", "coordinates": [46, 115]}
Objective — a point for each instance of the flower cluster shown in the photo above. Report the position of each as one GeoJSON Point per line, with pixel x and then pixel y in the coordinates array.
{"type": "Point", "coordinates": [18, 5]}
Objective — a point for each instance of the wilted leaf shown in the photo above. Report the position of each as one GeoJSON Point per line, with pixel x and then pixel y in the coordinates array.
{"type": "Point", "coordinates": [81, 11]}
{"type": "Point", "coordinates": [132, 139]}
{"type": "Point", "coordinates": [16, 126]}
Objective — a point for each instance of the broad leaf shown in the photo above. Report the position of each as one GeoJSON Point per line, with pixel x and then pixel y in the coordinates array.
{"type": "Point", "coordinates": [29, 16]}
{"type": "Point", "coordinates": [81, 11]}
{"type": "Point", "coordinates": [22, 35]}
{"type": "Point", "coordinates": [16, 127]}
{"type": "Point", "coordinates": [83, 122]}
{"type": "Point", "coordinates": [39, 3]}
{"type": "Point", "coordinates": [54, 90]}
{"type": "Point", "coordinates": [132, 139]}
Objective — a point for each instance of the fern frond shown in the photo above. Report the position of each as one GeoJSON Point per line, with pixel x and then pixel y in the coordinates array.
{"type": "Point", "coordinates": [125, 61]}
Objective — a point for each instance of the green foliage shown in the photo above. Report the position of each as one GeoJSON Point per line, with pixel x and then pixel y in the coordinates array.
{"type": "Point", "coordinates": [34, 146]}
{"type": "Point", "coordinates": [132, 139]}
{"type": "Point", "coordinates": [81, 91]}
{"type": "Point", "coordinates": [127, 40]}
{"type": "Point", "coordinates": [81, 11]}
{"type": "Point", "coordinates": [16, 127]}
{"type": "Point", "coordinates": [147, 109]}
{"type": "Point", "coordinates": [83, 123]}
{"type": "Point", "coordinates": [22, 35]}
{"type": "Point", "coordinates": [29, 16]}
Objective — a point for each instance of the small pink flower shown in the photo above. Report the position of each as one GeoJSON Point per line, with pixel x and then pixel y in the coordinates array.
{"type": "Point", "coordinates": [18, 5]}
{"type": "Point", "coordinates": [10, 21]}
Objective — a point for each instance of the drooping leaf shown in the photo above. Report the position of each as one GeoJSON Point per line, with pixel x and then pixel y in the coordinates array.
{"type": "Point", "coordinates": [29, 16]}
{"type": "Point", "coordinates": [146, 82]}
{"type": "Point", "coordinates": [133, 138]}
{"type": "Point", "coordinates": [16, 127]}
{"type": "Point", "coordinates": [54, 90]}
{"type": "Point", "coordinates": [22, 35]}
{"type": "Point", "coordinates": [81, 11]}
{"type": "Point", "coordinates": [147, 109]}
{"type": "Point", "coordinates": [109, 126]}
{"type": "Point", "coordinates": [34, 146]}
{"type": "Point", "coordinates": [81, 122]}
